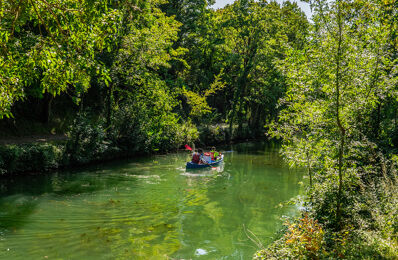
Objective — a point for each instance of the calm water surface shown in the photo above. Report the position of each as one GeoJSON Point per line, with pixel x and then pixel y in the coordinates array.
{"type": "Point", "coordinates": [149, 208]}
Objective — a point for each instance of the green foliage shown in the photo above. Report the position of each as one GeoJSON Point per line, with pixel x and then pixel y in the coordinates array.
{"type": "Point", "coordinates": [88, 141]}
{"type": "Point", "coordinates": [332, 123]}
{"type": "Point", "coordinates": [219, 133]}
{"type": "Point", "coordinates": [329, 99]}
{"type": "Point", "coordinates": [120, 48]}
{"type": "Point", "coordinates": [189, 132]}
{"type": "Point", "coordinates": [371, 232]}
{"type": "Point", "coordinates": [50, 46]}
{"type": "Point", "coordinates": [199, 106]}
{"type": "Point", "coordinates": [137, 129]}
{"type": "Point", "coordinates": [255, 38]}
{"type": "Point", "coordinates": [30, 158]}
{"type": "Point", "coordinates": [304, 239]}
{"type": "Point", "coordinates": [214, 134]}
{"type": "Point", "coordinates": [208, 57]}
{"type": "Point", "coordinates": [231, 59]}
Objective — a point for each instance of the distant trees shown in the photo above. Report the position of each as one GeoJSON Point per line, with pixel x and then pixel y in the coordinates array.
{"type": "Point", "coordinates": [237, 46]}
{"type": "Point", "coordinates": [256, 36]}
{"type": "Point", "coordinates": [219, 64]}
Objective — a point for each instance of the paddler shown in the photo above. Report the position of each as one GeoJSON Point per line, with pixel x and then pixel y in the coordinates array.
{"type": "Point", "coordinates": [214, 153]}
{"type": "Point", "coordinates": [196, 156]}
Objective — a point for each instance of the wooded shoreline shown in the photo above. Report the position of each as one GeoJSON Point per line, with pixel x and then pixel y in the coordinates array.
{"type": "Point", "coordinates": [123, 77]}
{"type": "Point", "coordinates": [47, 156]}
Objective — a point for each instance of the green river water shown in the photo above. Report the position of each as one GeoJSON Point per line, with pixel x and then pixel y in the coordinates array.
{"type": "Point", "coordinates": [150, 208]}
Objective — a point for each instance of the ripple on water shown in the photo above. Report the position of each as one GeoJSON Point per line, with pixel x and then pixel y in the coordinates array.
{"type": "Point", "coordinates": [152, 208]}
{"type": "Point", "coordinates": [200, 251]}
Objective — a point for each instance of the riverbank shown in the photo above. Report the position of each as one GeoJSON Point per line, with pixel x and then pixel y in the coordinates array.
{"type": "Point", "coordinates": [84, 147]}
{"type": "Point", "coordinates": [369, 232]}
{"type": "Point", "coordinates": [367, 228]}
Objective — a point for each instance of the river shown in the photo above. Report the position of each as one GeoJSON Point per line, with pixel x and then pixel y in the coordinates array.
{"type": "Point", "coordinates": [150, 208]}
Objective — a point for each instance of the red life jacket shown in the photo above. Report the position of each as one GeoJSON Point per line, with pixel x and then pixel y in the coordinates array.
{"type": "Point", "coordinates": [195, 158]}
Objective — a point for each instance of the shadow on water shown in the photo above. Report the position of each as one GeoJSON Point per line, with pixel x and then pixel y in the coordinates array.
{"type": "Point", "coordinates": [14, 212]}
{"type": "Point", "coordinates": [69, 182]}
{"type": "Point", "coordinates": [19, 195]}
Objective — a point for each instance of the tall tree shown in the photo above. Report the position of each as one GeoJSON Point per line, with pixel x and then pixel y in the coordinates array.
{"type": "Point", "coordinates": [334, 87]}
{"type": "Point", "coordinates": [256, 35]}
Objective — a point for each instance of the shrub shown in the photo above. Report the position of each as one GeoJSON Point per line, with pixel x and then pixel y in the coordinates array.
{"type": "Point", "coordinates": [30, 157]}
{"type": "Point", "coordinates": [214, 134]}
{"type": "Point", "coordinates": [304, 239]}
{"type": "Point", "coordinates": [189, 133]}
{"type": "Point", "coordinates": [369, 226]}
{"type": "Point", "coordinates": [136, 130]}
{"type": "Point", "coordinates": [128, 129]}
{"type": "Point", "coordinates": [88, 141]}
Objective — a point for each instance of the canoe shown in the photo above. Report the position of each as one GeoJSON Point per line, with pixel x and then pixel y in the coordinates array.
{"type": "Point", "coordinates": [191, 165]}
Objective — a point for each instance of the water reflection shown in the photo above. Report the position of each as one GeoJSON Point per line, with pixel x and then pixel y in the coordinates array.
{"type": "Point", "coordinates": [151, 207]}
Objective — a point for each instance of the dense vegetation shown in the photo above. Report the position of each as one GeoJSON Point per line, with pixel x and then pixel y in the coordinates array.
{"type": "Point", "coordinates": [128, 77]}
{"type": "Point", "coordinates": [339, 121]}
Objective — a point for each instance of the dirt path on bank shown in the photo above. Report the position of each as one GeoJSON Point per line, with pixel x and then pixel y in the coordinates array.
{"type": "Point", "coordinates": [32, 139]}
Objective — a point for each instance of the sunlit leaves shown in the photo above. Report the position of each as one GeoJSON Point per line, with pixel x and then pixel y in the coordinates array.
{"type": "Point", "coordinates": [308, 121]}
{"type": "Point", "coordinates": [50, 45]}
{"type": "Point", "coordinates": [199, 106]}
{"type": "Point", "coordinates": [255, 37]}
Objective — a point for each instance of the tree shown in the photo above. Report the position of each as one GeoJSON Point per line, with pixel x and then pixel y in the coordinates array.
{"type": "Point", "coordinates": [334, 87]}
{"type": "Point", "coordinates": [50, 46]}
{"type": "Point", "coordinates": [255, 37]}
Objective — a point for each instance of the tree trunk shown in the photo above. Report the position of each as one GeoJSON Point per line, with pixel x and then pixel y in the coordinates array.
{"type": "Point", "coordinates": [338, 119]}
{"type": "Point", "coordinates": [376, 129]}
{"type": "Point", "coordinates": [242, 82]}
{"type": "Point", "coordinates": [109, 106]}
{"type": "Point", "coordinates": [240, 113]}
{"type": "Point", "coordinates": [309, 167]}
{"type": "Point", "coordinates": [46, 112]}
{"type": "Point", "coordinates": [238, 95]}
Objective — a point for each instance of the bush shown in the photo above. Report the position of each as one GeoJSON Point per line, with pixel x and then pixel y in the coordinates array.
{"type": "Point", "coordinates": [189, 133]}
{"type": "Point", "coordinates": [219, 133]}
{"type": "Point", "coordinates": [375, 215]}
{"type": "Point", "coordinates": [128, 129]}
{"type": "Point", "coordinates": [136, 130]}
{"type": "Point", "coordinates": [304, 239]}
{"type": "Point", "coordinates": [214, 134]}
{"type": "Point", "coordinates": [88, 141]}
{"type": "Point", "coordinates": [30, 157]}
{"type": "Point", "coordinates": [369, 225]}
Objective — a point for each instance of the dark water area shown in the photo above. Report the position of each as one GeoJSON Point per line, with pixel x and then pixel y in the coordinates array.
{"type": "Point", "coordinates": [150, 208]}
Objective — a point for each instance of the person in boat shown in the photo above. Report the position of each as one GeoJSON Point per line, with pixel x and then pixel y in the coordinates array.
{"type": "Point", "coordinates": [201, 158]}
{"type": "Point", "coordinates": [214, 154]}
{"type": "Point", "coordinates": [197, 156]}
{"type": "Point", "coordinates": [206, 158]}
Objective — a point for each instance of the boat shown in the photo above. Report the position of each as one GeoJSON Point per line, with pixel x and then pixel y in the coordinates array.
{"type": "Point", "coordinates": [191, 165]}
